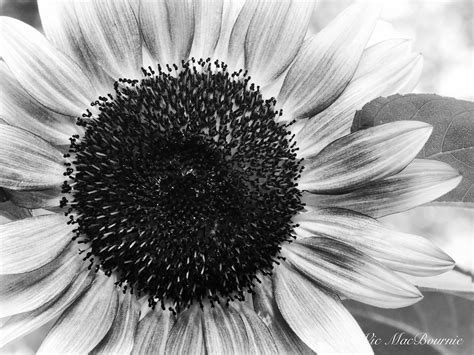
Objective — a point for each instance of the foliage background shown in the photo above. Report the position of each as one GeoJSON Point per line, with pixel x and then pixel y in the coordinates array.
{"type": "Point", "coordinates": [443, 30]}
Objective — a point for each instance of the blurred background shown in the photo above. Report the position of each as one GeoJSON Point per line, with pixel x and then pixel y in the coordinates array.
{"type": "Point", "coordinates": [443, 31]}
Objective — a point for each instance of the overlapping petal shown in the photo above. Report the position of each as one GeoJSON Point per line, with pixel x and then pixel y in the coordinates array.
{"type": "Point", "coordinates": [318, 318]}
{"type": "Point", "coordinates": [27, 291]}
{"type": "Point", "coordinates": [326, 63]}
{"type": "Point", "coordinates": [259, 336]}
{"type": "Point", "coordinates": [27, 161]}
{"type": "Point", "coordinates": [101, 35]}
{"type": "Point", "coordinates": [22, 324]}
{"type": "Point", "coordinates": [30, 243]}
{"type": "Point", "coordinates": [399, 70]}
{"type": "Point", "coordinates": [230, 14]}
{"type": "Point", "coordinates": [83, 325]}
{"type": "Point", "coordinates": [286, 340]}
{"type": "Point", "coordinates": [365, 156]}
{"type": "Point", "coordinates": [274, 37]}
{"type": "Point", "coordinates": [207, 27]}
{"type": "Point", "coordinates": [168, 29]}
{"type": "Point", "coordinates": [45, 73]}
{"type": "Point", "coordinates": [187, 336]}
{"type": "Point", "coordinates": [153, 331]}
{"type": "Point", "coordinates": [224, 331]}
{"type": "Point", "coordinates": [20, 110]}
{"type": "Point", "coordinates": [421, 182]}
{"type": "Point", "coordinates": [120, 338]}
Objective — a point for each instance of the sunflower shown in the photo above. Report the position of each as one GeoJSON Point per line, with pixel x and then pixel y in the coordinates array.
{"type": "Point", "coordinates": [183, 179]}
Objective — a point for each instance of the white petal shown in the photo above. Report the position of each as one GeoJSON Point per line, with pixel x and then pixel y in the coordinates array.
{"type": "Point", "coordinates": [370, 81]}
{"type": "Point", "coordinates": [110, 30]}
{"type": "Point", "coordinates": [365, 156]}
{"type": "Point", "coordinates": [44, 72]}
{"type": "Point", "coordinates": [30, 243]}
{"type": "Point", "coordinates": [381, 54]}
{"type": "Point", "coordinates": [20, 110]}
{"type": "Point", "coordinates": [27, 291]}
{"type": "Point", "coordinates": [318, 318]}
{"type": "Point", "coordinates": [411, 80]}
{"type": "Point", "coordinates": [229, 16]}
{"type": "Point", "coordinates": [83, 325]}
{"type": "Point", "coordinates": [24, 323]}
{"type": "Point", "coordinates": [119, 340]}
{"type": "Point", "coordinates": [207, 27]}
{"type": "Point", "coordinates": [274, 37]}
{"type": "Point", "coordinates": [235, 57]}
{"type": "Point", "coordinates": [168, 29]}
{"type": "Point", "coordinates": [224, 331]}
{"type": "Point", "coordinates": [102, 36]}
{"type": "Point", "coordinates": [259, 336]}
{"type": "Point", "coordinates": [327, 62]}
{"type": "Point", "coordinates": [186, 336]}
{"type": "Point", "coordinates": [345, 270]}
{"type": "Point", "coordinates": [61, 27]}
{"type": "Point", "coordinates": [286, 341]}
{"type": "Point", "coordinates": [421, 182]}
{"type": "Point", "coordinates": [153, 331]}
{"type": "Point", "coordinates": [402, 252]}
{"type": "Point", "coordinates": [27, 161]}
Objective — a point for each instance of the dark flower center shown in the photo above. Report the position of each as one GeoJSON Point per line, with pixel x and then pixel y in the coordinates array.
{"type": "Point", "coordinates": [183, 184]}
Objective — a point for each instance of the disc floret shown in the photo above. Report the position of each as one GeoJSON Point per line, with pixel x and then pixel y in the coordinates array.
{"type": "Point", "coordinates": [184, 184]}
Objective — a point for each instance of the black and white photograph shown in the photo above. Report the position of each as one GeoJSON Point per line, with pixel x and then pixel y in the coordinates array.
{"type": "Point", "coordinates": [248, 177]}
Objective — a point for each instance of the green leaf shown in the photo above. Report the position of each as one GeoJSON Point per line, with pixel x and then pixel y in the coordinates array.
{"type": "Point", "coordinates": [452, 140]}
{"type": "Point", "coordinates": [438, 315]}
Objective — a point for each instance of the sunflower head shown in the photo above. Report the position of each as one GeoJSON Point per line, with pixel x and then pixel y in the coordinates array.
{"type": "Point", "coordinates": [188, 184]}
